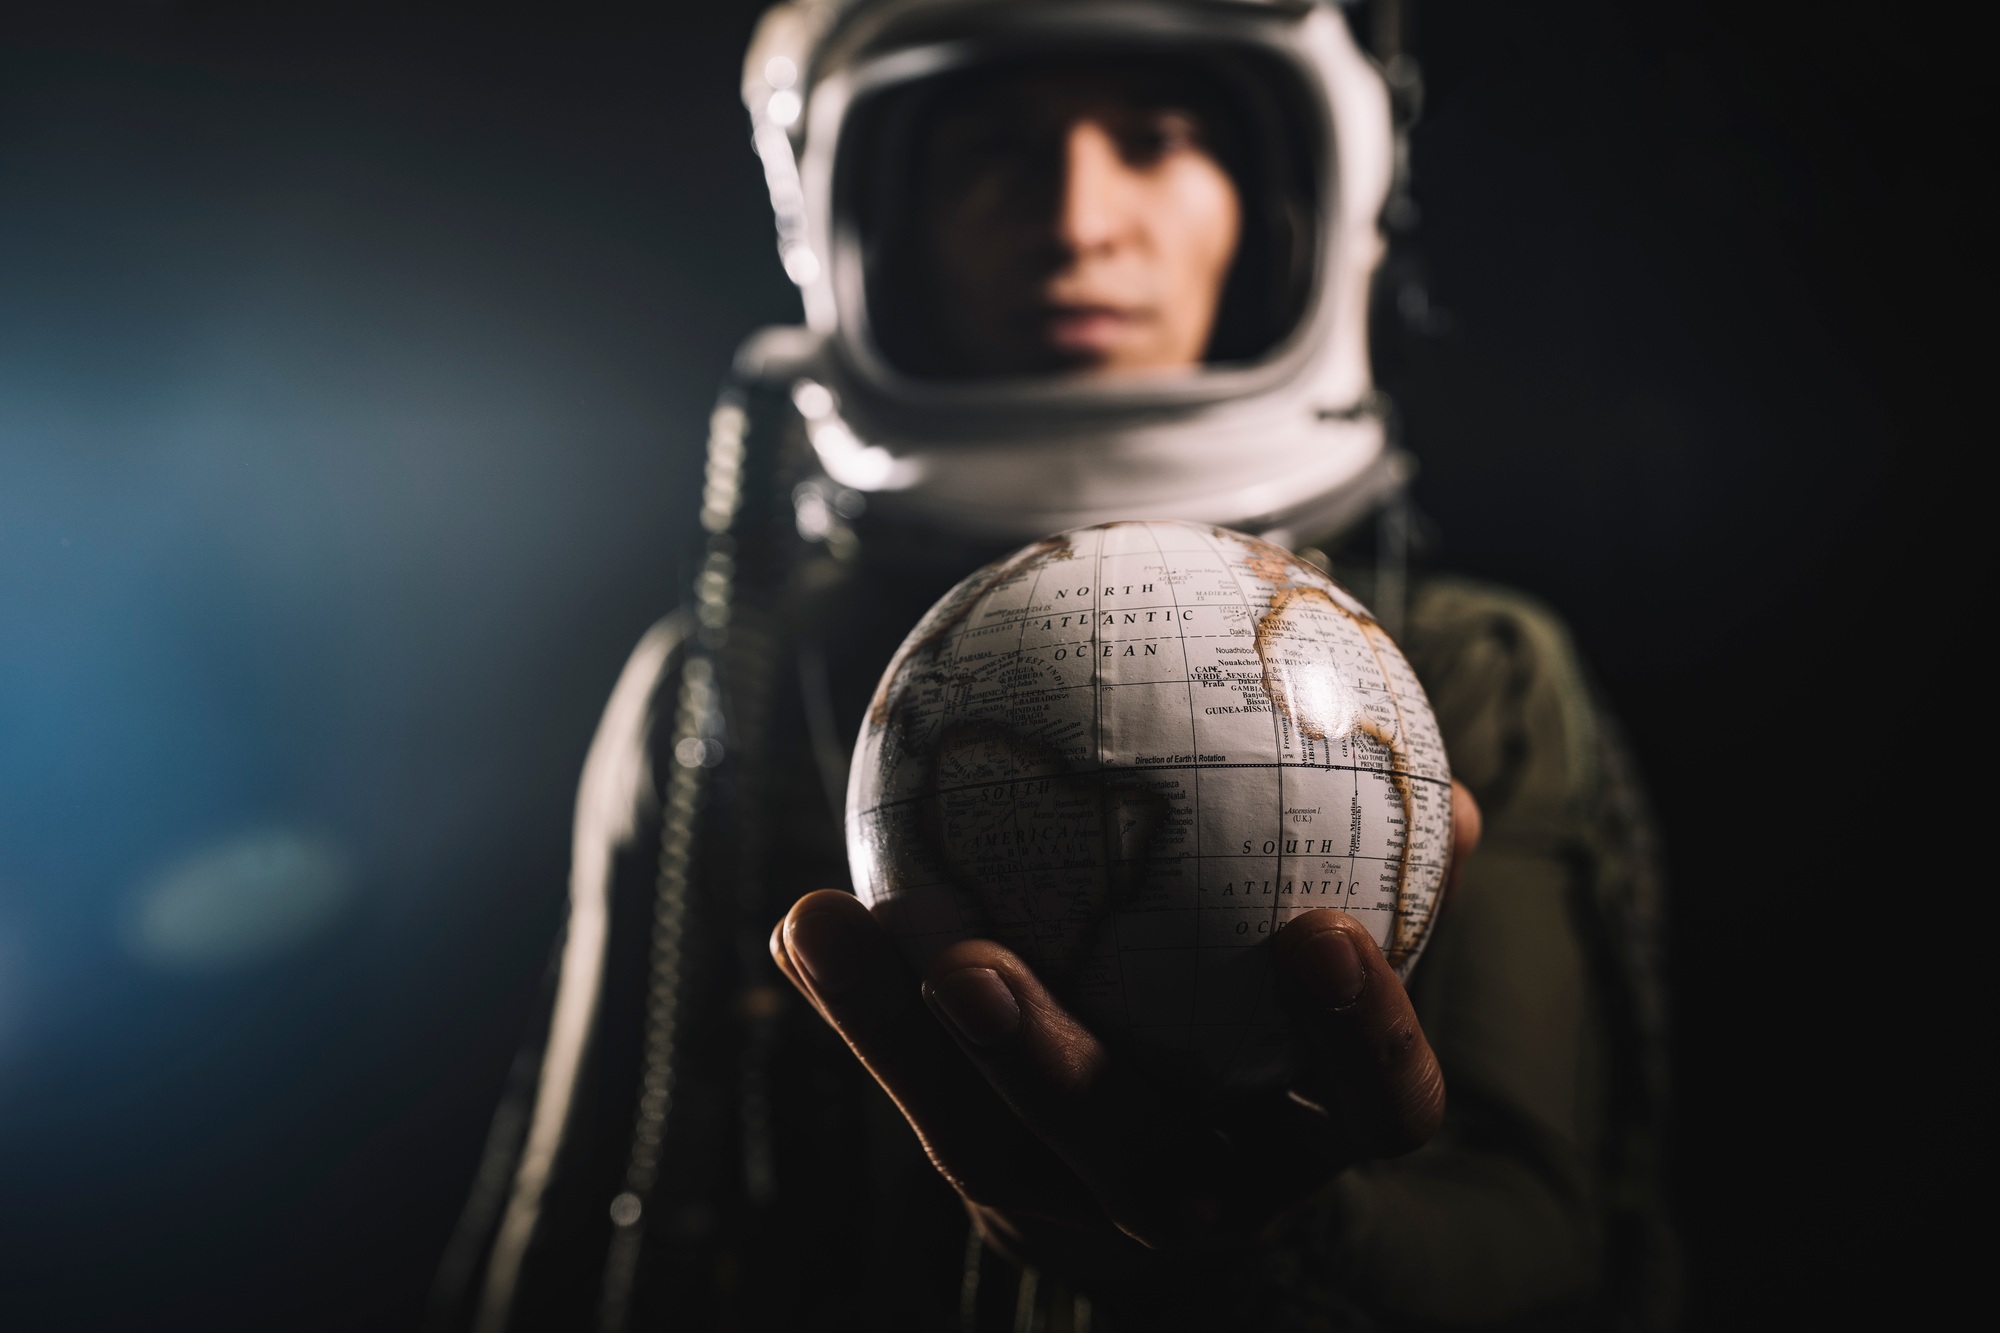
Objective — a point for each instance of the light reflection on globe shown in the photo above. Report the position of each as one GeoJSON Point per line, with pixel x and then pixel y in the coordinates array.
{"type": "Point", "coordinates": [1130, 753]}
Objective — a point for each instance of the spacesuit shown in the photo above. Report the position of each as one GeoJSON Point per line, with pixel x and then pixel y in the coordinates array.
{"type": "Point", "coordinates": [684, 1144]}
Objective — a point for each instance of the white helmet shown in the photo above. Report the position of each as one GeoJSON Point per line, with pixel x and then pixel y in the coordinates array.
{"type": "Point", "coordinates": [1287, 441]}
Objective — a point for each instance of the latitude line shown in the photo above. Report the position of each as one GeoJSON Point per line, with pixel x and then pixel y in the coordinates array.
{"type": "Point", "coordinates": [1169, 768]}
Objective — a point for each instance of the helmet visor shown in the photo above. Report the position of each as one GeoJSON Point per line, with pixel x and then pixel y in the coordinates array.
{"type": "Point", "coordinates": [1084, 214]}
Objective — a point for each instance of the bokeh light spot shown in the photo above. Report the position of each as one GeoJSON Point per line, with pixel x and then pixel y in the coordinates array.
{"type": "Point", "coordinates": [239, 902]}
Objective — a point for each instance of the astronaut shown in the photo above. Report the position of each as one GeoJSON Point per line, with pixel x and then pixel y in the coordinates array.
{"type": "Point", "coordinates": [1062, 263]}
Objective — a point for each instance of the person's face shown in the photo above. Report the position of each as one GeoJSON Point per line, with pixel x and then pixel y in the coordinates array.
{"type": "Point", "coordinates": [1076, 223]}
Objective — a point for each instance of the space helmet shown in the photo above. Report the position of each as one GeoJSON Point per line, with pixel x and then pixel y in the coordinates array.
{"type": "Point", "coordinates": [1279, 432]}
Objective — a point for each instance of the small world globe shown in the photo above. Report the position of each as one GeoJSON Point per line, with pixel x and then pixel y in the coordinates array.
{"type": "Point", "coordinates": [1130, 753]}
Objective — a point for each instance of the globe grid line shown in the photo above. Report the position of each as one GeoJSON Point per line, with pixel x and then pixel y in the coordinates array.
{"type": "Point", "coordinates": [1083, 846]}
{"type": "Point", "coordinates": [1194, 918]}
{"type": "Point", "coordinates": [964, 628]}
{"type": "Point", "coordinates": [958, 788]}
{"type": "Point", "coordinates": [1014, 816]}
{"type": "Point", "coordinates": [1097, 744]}
{"type": "Point", "coordinates": [1278, 748]}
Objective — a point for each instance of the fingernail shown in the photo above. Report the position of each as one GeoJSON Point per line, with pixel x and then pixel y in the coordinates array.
{"type": "Point", "coordinates": [1332, 967]}
{"type": "Point", "coordinates": [977, 1002]}
{"type": "Point", "coordinates": [822, 944]}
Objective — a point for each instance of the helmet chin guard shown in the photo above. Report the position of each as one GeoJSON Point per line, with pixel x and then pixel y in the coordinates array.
{"type": "Point", "coordinates": [1289, 443]}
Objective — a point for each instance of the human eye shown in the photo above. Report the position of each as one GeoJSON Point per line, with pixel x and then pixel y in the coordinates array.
{"type": "Point", "coordinates": [1150, 139]}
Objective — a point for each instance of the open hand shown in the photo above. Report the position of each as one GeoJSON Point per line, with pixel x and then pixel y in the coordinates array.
{"type": "Point", "coordinates": [1065, 1153]}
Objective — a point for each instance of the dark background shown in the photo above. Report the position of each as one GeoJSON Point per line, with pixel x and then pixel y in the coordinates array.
{"type": "Point", "coordinates": [353, 369]}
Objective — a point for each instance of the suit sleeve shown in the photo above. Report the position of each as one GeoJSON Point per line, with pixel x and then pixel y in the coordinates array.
{"type": "Point", "coordinates": [532, 1163]}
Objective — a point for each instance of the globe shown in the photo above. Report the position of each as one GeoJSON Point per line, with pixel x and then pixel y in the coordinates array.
{"type": "Point", "coordinates": [1130, 753]}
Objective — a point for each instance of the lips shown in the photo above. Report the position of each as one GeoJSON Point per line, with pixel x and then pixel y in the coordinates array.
{"type": "Point", "coordinates": [1088, 329]}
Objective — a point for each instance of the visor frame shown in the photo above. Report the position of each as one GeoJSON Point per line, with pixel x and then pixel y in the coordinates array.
{"type": "Point", "coordinates": [884, 64]}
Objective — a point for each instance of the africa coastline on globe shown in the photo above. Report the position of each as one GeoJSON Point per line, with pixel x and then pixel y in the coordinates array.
{"type": "Point", "coordinates": [1130, 753]}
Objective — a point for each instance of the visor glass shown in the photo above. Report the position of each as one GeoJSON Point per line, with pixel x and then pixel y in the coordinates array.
{"type": "Point", "coordinates": [1084, 216]}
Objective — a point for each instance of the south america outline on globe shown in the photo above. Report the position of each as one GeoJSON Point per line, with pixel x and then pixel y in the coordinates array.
{"type": "Point", "coordinates": [1130, 753]}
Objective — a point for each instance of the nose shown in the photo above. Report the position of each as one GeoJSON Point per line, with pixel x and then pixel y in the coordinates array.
{"type": "Point", "coordinates": [1096, 198]}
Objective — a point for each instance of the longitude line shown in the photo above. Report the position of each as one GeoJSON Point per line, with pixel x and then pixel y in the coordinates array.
{"type": "Point", "coordinates": [1194, 748]}
{"type": "Point", "coordinates": [1097, 739]}
{"type": "Point", "coordinates": [1278, 746]}
{"type": "Point", "coordinates": [1028, 895]}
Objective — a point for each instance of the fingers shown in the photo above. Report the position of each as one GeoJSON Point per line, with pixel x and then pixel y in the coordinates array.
{"type": "Point", "coordinates": [849, 967]}
{"type": "Point", "coordinates": [1369, 1065]}
{"type": "Point", "coordinates": [1145, 1160]}
{"type": "Point", "coordinates": [1037, 1118]}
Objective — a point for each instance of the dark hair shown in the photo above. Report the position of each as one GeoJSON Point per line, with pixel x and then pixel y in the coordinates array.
{"type": "Point", "coordinates": [1254, 123]}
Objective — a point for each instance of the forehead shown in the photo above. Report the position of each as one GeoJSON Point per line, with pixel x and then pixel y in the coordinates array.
{"type": "Point", "coordinates": [1058, 90]}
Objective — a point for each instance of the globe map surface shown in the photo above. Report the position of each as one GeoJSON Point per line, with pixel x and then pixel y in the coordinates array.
{"type": "Point", "coordinates": [1130, 753]}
